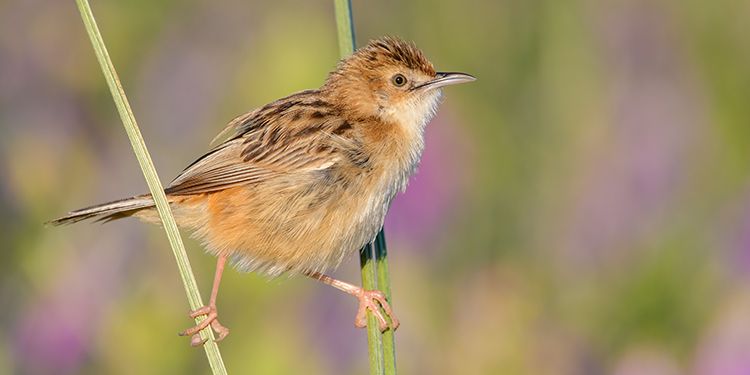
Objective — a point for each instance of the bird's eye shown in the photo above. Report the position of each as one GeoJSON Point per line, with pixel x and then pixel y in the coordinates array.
{"type": "Point", "coordinates": [399, 80]}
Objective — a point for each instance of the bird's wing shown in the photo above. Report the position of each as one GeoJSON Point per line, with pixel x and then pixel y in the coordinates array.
{"type": "Point", "coordinates": [295, 135]}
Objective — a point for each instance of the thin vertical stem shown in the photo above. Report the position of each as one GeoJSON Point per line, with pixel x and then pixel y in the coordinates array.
{"type": "Point", "coordinates": [373, 257]}
{"type": "Point", "coordinates": [345, 27]}
{"type": "Point", "coordinates": [152, 179]}
{"type": "Point", "coordinates": [374, 337]}
{"type": "Point", "coordinates": [384, 284]}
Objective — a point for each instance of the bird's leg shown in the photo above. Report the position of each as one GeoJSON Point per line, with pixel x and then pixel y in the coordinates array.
{"type": "Point", "coordinates": [210, 311]}
{"type": "Point", "coordinates": [371, 300]}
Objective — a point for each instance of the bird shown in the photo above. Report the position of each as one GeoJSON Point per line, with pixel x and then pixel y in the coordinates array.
{"type": "Point", "coordinates": [297, 185]}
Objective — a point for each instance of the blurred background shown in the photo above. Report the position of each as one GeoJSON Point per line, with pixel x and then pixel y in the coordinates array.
{"type": "Point", "coordinates": [583, 208]}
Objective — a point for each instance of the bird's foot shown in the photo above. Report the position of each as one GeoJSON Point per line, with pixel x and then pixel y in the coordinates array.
{"type": "Point", "coordinates": [373, 300]}
{"type": "Point", "coordinates": [212, 319]}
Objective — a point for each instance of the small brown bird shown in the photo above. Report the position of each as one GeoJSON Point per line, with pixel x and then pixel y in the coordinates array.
{"type": "Point", "coordinates": [304, 181]}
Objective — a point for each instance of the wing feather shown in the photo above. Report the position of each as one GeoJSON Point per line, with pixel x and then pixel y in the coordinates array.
{"type": "Point", "coordinates": [291, 136]}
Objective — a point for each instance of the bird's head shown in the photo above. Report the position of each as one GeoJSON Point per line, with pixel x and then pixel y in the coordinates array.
{"type": "Point", "coordinates": [392, 80]}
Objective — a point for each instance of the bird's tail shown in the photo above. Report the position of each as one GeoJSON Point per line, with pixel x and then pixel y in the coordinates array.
{"type": "Point", "coordinates": [107, 211]}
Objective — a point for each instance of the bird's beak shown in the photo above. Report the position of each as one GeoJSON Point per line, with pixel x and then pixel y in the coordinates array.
{"type": "Point", "coordinates": [444, 79]}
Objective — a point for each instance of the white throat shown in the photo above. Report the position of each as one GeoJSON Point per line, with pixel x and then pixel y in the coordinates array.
{"type": "Point", "coordinates": [412, 116]}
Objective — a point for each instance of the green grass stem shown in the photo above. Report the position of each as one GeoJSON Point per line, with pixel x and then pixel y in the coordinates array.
{"type": "Point", "coordinates": [373, 257]}
{"type": "Point", "coordinates": [384, 284]}
{"type": "Point", "coordinates": [152, 179]}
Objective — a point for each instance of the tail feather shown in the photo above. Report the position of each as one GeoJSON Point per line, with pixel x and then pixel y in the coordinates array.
{"type": "Point", "coordinates": [107, 211]}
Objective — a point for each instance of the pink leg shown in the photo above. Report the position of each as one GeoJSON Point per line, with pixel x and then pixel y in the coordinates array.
{"type": "Point", "coordinates": [210, 311]}
{"type": "Point", "coordinates": [371, 300]}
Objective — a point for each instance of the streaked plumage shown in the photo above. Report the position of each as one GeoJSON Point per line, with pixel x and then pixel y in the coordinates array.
{"type": "Point", "coordinates": [301, 182]}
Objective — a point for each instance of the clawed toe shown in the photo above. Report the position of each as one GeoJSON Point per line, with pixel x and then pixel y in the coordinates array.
{"type": "Point", "coordinates": [204, 310]}
{"type": "Point", "coordinates": [374, 300]}
{"type": "Point", "coordinates": [220, 330]}
{"type": "Point", "coordinates": [211, 320]}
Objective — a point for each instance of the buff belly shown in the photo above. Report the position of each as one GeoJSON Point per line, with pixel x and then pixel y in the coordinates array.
{"type": "Point", "coordinates": [310, 228]}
